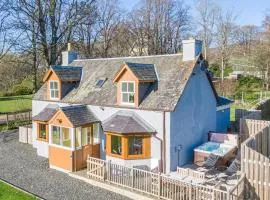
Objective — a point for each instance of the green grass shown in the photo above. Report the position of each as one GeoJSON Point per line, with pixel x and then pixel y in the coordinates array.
{"type": "Point", "coordinates": [15, 103]}
{"type": "Point", "coordinates": [10, 193]}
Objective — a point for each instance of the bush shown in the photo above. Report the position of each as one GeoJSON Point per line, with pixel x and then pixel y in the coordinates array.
{"type": "Point", "coordinates": [247, 83]}
{"type": "Point", "coordinates": [215, 68]}
{"type": "Point", "coordinates": [21, 90]}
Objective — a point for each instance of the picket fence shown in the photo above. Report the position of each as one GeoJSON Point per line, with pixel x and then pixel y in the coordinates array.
{"type": "Point", "coordinates": [156, 184]}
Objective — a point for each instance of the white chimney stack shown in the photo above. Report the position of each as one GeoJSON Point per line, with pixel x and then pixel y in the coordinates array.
{"type": "Point", "coordinates": [68, 56]}
{"type": "Point", "coordinates": [191, 49]}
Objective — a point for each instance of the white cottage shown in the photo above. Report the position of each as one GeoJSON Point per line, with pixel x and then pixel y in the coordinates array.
{"type": "Point", "coordinates": [147, 111]}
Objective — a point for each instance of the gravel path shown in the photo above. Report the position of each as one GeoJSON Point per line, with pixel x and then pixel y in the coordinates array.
{"type": "Point", "coordinates": [20, 165]}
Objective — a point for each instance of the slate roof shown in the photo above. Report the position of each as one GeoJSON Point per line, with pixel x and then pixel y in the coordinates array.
{"type": "Point", "coordinates": [79, 115]}
{"type": "Point", "coordinates": [171, 71]}
{"type": "Point", "coordinates": [127, 122]}
{"type": "Point", "coordinates": [144, 72]}
{"type": "Point", "coordinates": [67, 73]}
{"type": "Point", "coordinates": [222, 101]}
{"type": "Point", "coordinates": [47, 113]}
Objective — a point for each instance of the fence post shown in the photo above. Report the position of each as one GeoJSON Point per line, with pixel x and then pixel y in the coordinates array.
{"type": "Point", "coordinates": [228, 194]}
{"type": "Point", "coordinates": [109, 170]}
{"type": "Point", "coordinates": [7, 119]}
{"type": "Point", "coordinates": [29, 117]}
{"type": "Point", "coordinates": [132, 177]}
{"type": "Point", "coordinates": [159, 185]}
{"type": "Point", "coordinates": [190, 191]}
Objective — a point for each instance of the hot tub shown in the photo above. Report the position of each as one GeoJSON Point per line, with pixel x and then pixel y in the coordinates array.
{"type": "Point", "coordinates": [221, 149]}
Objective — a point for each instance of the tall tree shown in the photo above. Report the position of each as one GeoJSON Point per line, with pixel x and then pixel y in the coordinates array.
{"type": "Point", "coordinates": [225, 31]}
{"type": "Point", "coordinates": [206, 19]}
{"type": "Point", "coordinates": [160, 25]}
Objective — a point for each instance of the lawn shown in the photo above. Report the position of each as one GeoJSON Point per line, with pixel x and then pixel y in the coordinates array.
{"type": "Point", "coordinates": [10, 193]}
{"type": "Point", "coordinates": [15, 103]}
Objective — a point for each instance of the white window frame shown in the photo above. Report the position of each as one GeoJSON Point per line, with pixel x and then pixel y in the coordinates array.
{"type": "Point", "coordinates": [61, 137]}
{"type": "Point", "coordinates": [121, 92]}
{"type": "Point", "coordinates": [58, 89]}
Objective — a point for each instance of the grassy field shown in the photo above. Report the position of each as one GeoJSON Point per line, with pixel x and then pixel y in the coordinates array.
{"type": "Point", "coordinates": [15, 103]}
{"type": "Point", "coordinates": [9, 193]}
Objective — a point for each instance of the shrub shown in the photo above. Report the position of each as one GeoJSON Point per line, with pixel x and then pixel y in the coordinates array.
{"type": "Point", "coordinates": [21, 90]}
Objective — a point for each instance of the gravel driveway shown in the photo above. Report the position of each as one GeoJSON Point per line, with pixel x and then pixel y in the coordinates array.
{"type": "Point", "coordinates": [20, 165]}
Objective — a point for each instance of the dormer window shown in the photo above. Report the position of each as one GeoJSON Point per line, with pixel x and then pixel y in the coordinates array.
{"type": "Point", "coordinates": [127, 92]}
{"type": "Point", "coordinates": [54, 90]}
{"type": "Point", "coordinates": [133, 82]}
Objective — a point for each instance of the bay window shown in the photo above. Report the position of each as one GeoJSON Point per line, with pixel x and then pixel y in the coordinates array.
{"type": "Point", "coordinates": [128, 146]}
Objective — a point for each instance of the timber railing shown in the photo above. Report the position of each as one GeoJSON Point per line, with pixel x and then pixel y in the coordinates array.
{"type": "Point", "coordinates": [155, 184]}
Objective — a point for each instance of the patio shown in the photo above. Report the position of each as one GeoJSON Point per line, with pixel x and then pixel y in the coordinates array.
{"type": "Point", "coordinates": [192, 173]}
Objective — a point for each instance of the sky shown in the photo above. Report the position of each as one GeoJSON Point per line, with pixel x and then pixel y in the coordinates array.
{"type": "Point", "coordinates": [248, 11]}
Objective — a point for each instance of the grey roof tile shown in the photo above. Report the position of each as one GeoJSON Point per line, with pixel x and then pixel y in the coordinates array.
{"type": "Point", "coordinates": [79, 115]}
{"type": "Point", "coordinates": [144, 72]}
{"type": "Point", "coordinates": [171, 71]}
{"type": "Point", "coordinates": [47, 113]}
{"type": "Point", "coordinates": [127, 122]}
{"type": "Point", "coordinates": [68, 73]}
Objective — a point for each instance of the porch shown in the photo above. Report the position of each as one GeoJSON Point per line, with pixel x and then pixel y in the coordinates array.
{"type": "Point", "coordinates": [70, 134]}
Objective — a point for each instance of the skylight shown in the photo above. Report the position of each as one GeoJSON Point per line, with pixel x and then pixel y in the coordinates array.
{"type": "Point", "coordinates": [100, 82]}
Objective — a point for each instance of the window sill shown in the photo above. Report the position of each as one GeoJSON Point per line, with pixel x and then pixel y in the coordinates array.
{"type": "Point", "coordinates": [129, 157]}
{"type": "Point", "coordinates": [42, 139]}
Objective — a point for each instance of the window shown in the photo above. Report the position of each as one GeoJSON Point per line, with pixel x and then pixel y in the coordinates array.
{"type": "Point", "coordinates": [66, 137]}
{"type": "Point", "coordinates": [96, 133]}
{"type": "Point", "coordinates": [61, 136]}
{"type": "Point", "coordinates": [100, 82]}
{"type": "Point", "coordinates": [56, 135]}
{"type": "Point", "coordinates": [78, 140]}
{"type": "Point", "coordinates": [54, 90]}
{"type": "Point", "coordinates": [42, 131]}
{"type": "Point", "coordinates": [128, 147]}
{"type": "Point", "coordinates": [116, 145]}
{"type": "Point", "coordinates": [127, 92]}
{"type": "Point", "coordinates": [86, 136]}
{"type": "Point", "coordinates": [135, 145]}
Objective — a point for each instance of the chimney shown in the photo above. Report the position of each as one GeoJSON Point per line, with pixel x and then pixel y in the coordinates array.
{"type": "Point", "coordinates": [191, 49]}
{"type": "Point", "coordinates": [68, 56]}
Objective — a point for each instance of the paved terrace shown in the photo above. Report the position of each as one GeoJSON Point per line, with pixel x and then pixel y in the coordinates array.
{"type": "Point", "coordinates": [20, 165]}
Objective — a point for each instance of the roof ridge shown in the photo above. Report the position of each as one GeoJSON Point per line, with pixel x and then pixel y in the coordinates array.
{"type": "Point", "coordinates": [128, 57]}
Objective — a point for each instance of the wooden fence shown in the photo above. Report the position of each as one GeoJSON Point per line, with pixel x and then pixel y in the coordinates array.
{"type": "Point", "coordinates": [250, 127]}
{"type": "Point", "coordinates": [255, 161]}
{"type": "Point", "coordinates": [7, 118]}
{"type": "Point", "coordinates": [154, 184]}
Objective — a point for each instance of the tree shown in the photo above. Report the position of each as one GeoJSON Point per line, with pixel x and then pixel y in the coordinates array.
{"type": "Point", "coordinates": [159, 26]}
{"type": "Point", "coordinates": [262, 53]}
{"type": "Point", "coordinates": [245, 35]}
{"type": "Point", "coordinates": [206, 19]}
{"type": "Point", "coordinates": [225, 31]}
